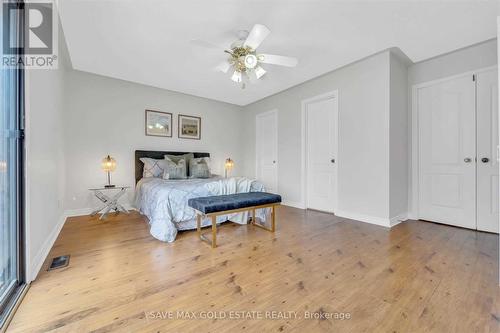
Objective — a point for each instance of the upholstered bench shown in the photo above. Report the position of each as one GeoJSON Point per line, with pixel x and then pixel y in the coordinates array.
{"type": "Point", "coordinates": [233, 203]}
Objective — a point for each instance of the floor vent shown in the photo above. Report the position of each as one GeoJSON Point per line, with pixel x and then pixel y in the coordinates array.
{"type": "Point", "coordinates": [59, 262]}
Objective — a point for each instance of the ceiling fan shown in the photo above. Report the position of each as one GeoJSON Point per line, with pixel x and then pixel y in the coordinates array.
{"type": "Point", "coordinates": [244, 60]}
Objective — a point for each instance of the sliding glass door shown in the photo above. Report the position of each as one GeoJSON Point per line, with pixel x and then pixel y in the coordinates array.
{"type": "Point", "coordinates": [11, 178]}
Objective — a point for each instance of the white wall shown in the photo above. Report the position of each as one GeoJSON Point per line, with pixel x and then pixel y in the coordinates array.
{"type": "Point", "coordinates": [106, 116]}
{"type": "Point", "coordinates": [498, 61]}
{"type": "Point", "coordinates": [464, 60]}
{"type": "Point", "coordinates": [363, 161]}
{"type": "Point", "coordinates": [460, 61]}
{"type": "Point", "coordinates": [45, 171]}
{"type": "Point", "coordinates": [399, 157]}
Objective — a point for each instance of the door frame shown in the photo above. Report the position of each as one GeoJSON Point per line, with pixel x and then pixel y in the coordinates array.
{"type": "Point", "coordinates": [414, 172]}
{"type": "Point", "coordinates": [257, 116]}
{"type": "Point", "coordinates": [304, 153]}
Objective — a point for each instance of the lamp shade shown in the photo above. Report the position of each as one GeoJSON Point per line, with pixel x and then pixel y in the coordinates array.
{"type": "Point", "coordinates": [108, 164]}
{"type": "Point", "coordinates": [229, 164]}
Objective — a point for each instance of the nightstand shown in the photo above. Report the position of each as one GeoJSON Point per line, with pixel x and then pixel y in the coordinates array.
{"type": "Point", "coordinates": [109, 197]}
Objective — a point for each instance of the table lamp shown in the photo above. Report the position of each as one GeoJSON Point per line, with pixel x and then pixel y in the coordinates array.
{"type": "Point", "coordinates": [109, 165]}
{"type": "Point", "coordinates": [228, 166]}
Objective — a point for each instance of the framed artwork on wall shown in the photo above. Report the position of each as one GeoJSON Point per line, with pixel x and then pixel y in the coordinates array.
{"type": "Point", "coordinates": [189, 127]}
{"type": "Point", "coordinates": [158, 123]}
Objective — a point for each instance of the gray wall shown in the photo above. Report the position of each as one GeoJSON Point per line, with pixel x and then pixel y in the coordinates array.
{"type": "Point", "coordinates": [398, 125]}
{"type": "Point", "coordinates": [375, 112]}
{"type": "Point", "coordinates": [45, 170]}
{"type": "Point", "coordinates": [463, 60]}
{"type": "Point", "coordinates": [106, 116]}
{"type": "Point", "coordinates": [363, 159]}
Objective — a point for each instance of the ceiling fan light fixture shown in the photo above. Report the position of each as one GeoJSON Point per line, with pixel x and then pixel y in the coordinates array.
{"type": "Point", "coordinates": [250, 61]}
{"type": "Point", "coordinates": [244, 59]}
{"type": "Point", "coordinates": [259, 72]}
{"type": "Point", "coordinates": [236, 77]}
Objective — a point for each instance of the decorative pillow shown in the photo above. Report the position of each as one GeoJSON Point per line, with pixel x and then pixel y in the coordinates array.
{"type": "Point", "coordinates": [175, 170]}
{"type": "Point", "coordinates": [185, 157]}
{"type": "Point", "coordinates": [176, 158]}
{"type": "Point", "coordinates": [153, 167]}
{"type": "Point", "coordinates": [199, 167]}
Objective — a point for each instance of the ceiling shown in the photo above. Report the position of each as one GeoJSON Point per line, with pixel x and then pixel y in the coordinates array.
{"type": "Point", "coordinates": [148, 41]}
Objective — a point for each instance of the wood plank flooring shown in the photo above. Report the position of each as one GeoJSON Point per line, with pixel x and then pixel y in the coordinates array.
{"type": "Point", "coordinates": [417, 277]}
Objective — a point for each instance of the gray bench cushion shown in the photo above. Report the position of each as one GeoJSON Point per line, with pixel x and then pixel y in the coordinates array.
{"type": "Point", "coordinates": [221, 203]}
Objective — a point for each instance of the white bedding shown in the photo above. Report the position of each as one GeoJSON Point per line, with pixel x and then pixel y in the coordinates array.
{"type": "Point", "coordinates": [164, 202]}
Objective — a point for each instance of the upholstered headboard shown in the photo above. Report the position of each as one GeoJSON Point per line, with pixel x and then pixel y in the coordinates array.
{"type": "Point", "coordinates": [156, 155]}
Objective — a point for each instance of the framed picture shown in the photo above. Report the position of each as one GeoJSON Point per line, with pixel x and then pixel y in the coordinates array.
{"type": "Point", "coordinates": [189, 127]}
{"type": "Point", "coordinates": [158, 123]}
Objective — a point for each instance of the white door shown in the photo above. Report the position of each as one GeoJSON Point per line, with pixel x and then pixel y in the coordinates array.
{"type": "Point", "coordinates": [447, 150]}
{"type": "Point", "coordinates": [487, 142]}
{"type": "Point", "coordinates": [321, 143]}
{"type": "Point", "coordinates": [267, 150]}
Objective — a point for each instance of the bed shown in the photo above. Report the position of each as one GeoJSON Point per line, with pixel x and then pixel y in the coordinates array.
{"type": "Point", "coordinates": [165, 202]}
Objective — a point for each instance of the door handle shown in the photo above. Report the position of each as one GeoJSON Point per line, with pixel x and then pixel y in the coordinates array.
{"type": "Point", "coordinates": [485, 160]}
{"type": "Point", "coordinates": [332, 160]}
{"type": "Point", "coordinates": [467, 160]}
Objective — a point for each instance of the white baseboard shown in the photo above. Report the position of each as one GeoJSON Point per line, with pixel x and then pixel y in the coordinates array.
{"type": "Point", "coordinates": [381, 221]}
{"type": "Point", "coordinates": [398, 219]}
{"type": "Point", "coordinates": [293, 204]}
{"type": "Point", "coordinates": [412, 216]}
{"type": "Point", "coordinates": [37, 262]}
{"type": "Point", "coordinates": [384, 222]}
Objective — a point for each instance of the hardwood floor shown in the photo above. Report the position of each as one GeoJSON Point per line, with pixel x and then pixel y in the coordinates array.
{"type": "Point", "coordinates": [417, 277]}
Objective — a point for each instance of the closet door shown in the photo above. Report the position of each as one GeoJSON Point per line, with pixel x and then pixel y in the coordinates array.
{"type": "Point", "coordinates": [487, 142]}
{"type": "Point", "coordinates": [447, 150]}
{"type": "Point", "coordinates": [321, 133]}
{"type": "Point", "coordinates": [267, 149]}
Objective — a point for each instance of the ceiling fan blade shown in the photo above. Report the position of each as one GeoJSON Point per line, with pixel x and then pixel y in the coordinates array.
{"type": "Point", "coordinates": [278, 60]}
{"type": "Point", "coordinates": [205, 44]}
{"type": "Point", "coordinates": [258, 33]}
{"type": "Point", "coordinates": [223, 67]}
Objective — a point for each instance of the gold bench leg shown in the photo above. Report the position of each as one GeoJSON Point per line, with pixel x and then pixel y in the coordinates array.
{"type": "Point", "coordinates": [273, 220]}
{"type": "Point", "coordinates": [214, 231]}
{"type": "Point", "coordinates": [213, 241]}
{"type": "Point", "coordinates": [198, 224]}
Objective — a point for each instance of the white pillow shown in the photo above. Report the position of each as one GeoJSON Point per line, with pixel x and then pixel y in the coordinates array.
{"type": "Point", "coordinates": [153, 167]}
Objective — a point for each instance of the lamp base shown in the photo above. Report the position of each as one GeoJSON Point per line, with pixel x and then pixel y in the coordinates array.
{"type": "Point", "coordinates": [109, 186]}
